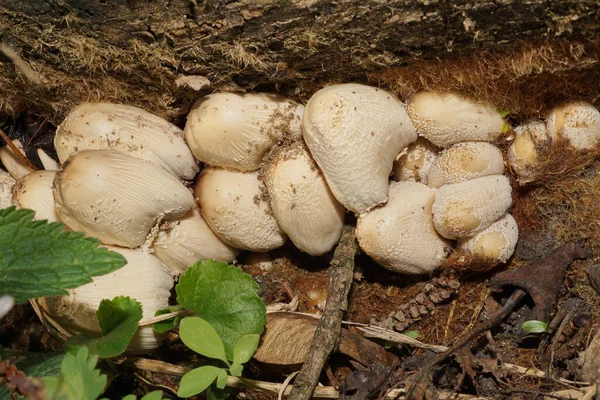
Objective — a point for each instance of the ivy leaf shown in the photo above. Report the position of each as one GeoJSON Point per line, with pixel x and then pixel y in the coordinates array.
{"type": "Point", "coordinates": [197, 380]}
{"type": "Point", "coordinates": [534, 326]}
{"type": "Point", "coordinates": [168, 324]}
{"type": "Point", "coordinates": [119, 320]}
{"type": "Point", "coordinates": [39, 259]}
{"type": "Point", "coordinates": [245, 347]}
{"type": "Point", "coordinates": [200, 336]}
{"type": "Point", "coordinates": [225, 297]}
{"type": "Point", "coordinates": [79, 378]}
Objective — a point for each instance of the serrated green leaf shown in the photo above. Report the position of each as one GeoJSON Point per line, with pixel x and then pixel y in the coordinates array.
{"type": "Point", "coordinates": [79, 378]}
{"type": "Point", "coordinates": [38, 258]}
{"type": "Point", "coordinates": [225, 297]}
{"type": "Point", "coordinates": [168, 324]}
{"type": "Point", "coordinates": [200, 336]}
{"type": "Point", "coordinates": [534, 326]}
{"type": "Point", "coordinates": [411, 334]}
{"type": "Point", "coordinates": [245, 347]}
{"type": "Point", "coordinates": [222, 379]}
{"type": "Point", "coordinates": [119, 320]}
{"type": "Point", "coordinates": [197, 380]}
{"type": "Point", "coordinates": [236, 369]}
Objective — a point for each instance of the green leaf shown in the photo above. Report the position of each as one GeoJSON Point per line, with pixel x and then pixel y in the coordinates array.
{"type": "Point", "coordinates": [168, 324]}
{"type": "Point", "coordinates": [225, 297]}
{"type": "Point", "coordinates": [155, 395]}
{"type": "Point", "coordinates": [504, 128]}
{"type": "Point", "coordinates": [119, 320]}
{"type": "Point", "coordinates": [222, 379]}
{"type": "Point", "coordinates": [200, 336]}
{"type": "Point", "coordinates": [39, 259]}
{"type": "Point", "coordinates": [502, 111]}
{"type": "Point", "coordinates": [534, 326]}
{"type": "Point", "coordinates": [412, 334]}
{"type": "Point", "coordinates": [42, 364]}
{"type": "Point", "coordinates": [197, 380]}
{"type": "Point", "coordinates": [214, 393]}
{"type": "Point", "coordinates": [79, 378]}
{"type": "Point", "coordinates": [236, 369]}
{"type": "Point", "coordinates": [130, 397]}
{"type": "Point", "coordinates": [245, 347]}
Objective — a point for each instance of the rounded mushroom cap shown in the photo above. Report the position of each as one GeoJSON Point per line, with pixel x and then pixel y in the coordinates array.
{"type": "Point", "coordinates": [446, 118]}
{"type": "Point", "coordinates": [523, 151]}
{"type": "Point", "coordinates": [400, 235]}
{"type": "Point", "coordinates": [355, 132]}
{"type": "Point", "coordinates": [189, 240]}
{"type": "Point", "coordinates": [236, 130]}
{"type": "Point", "coordinates": [34, 191]}
{"type": "Point", "coordinates": [464, 209]}
{"type": "Point", "coordinates": [235, 208]}
{"type": "Point", "coordinates": [6, 185]}
{"type": "Point", "coordinates": [465, 161]}
{"type": "Point", "coordinates": [13, 163]}
{"type": "Point", "coordinates": [414, 162]}
{"type": "Point", "coordinates": [578, 122]}
{"type": "Point", "coordinates": [301, 201]}
{"type": "Point", "coordinates": [76, 312]}
{"type": "Point", "coordinates": [116, 197]}
{"type": "Point", "coordinates": [498, 241]}
{"type": "Point", "coordinates": [108, 126]}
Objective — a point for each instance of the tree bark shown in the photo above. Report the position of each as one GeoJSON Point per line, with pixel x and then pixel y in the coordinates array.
{"type": "Point", "coordinates": [133, 51]}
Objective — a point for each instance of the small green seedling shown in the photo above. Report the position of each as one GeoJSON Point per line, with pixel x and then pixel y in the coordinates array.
{"type": "Point", "coordinates": [534, 326]}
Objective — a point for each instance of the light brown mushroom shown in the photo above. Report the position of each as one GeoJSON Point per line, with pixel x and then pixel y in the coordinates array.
{"type": "Point", "coordinates": [14, 164]}
{"type": "Point", "coordinates": [497, 242]}
{"type": "Point", "coordinates": [34, 191]}
{"type": "Point", "coordinates": [6, 185]}
{"type": "Point", "coordinates": [414, 162]}
{"type": "Point", "coordinates": [578, 122]}
{"type": "Point", "coordinates": [523, 154]}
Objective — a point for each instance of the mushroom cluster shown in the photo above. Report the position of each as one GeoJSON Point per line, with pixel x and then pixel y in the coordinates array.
{"type": "Point", "coordinates": [424, 178]}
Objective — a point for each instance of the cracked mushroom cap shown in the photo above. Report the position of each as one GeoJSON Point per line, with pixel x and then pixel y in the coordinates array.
{"type": "Point", "coordinates": [400, 235]}
{"type": "Point", "coordinates": [414, 162]}
{"type": "Point", "coordinates": [446, 118]}
{"type": "Point", "coordinates": [523, 151]}
{"type": "Point", "coordinates": [13, 163]}
{"type": "Point", "coordinates": [189, 240]}
{"type": "Point", "coordinates": [578, 122]}
{"type": "Point", "coordinates": [464, 209]}
{"type": "Point", "coordinates": [355, 132]}
{"type": "Point", "coordinates": [116, 197]}
{"type": "Point", "coordinates": [234, 130]}
{"type": "Point", "coordinates": [465, 161]}
{"type": "Point", "coordinates": [301, 201]}
{"type": "Point", "coordinates": [34, 191]}
{"type": "Point", "coordinates": [6, 185]}
{"type": "Point", "coordinates": [234, 206]}
{"type": "Point", "coordinates": [108, 126]}
{"type": "Point", "coordinates": [498, 241]}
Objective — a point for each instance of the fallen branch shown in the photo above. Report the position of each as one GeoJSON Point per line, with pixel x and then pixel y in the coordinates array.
{"type": "Point", "coordinates": [330, 325]}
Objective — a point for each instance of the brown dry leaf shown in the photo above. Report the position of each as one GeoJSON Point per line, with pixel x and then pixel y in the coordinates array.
{"type": "Point", "coordinates": [287, 338]}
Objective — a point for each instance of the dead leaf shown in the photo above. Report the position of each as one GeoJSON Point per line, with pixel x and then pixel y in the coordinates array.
{"type": "Point", "coordinates": [590, 360]}
{"type": "Point", "coordinates": [363, 384]}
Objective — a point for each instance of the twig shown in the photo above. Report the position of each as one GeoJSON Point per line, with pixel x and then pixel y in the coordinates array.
{"type": "Point", "coordinates": [16, 150]}
{"type": "Point", "coordinates": [20, 64]}
{"type": "Point", "coordinates": [421, 377]}
{"type": "Point", "coordinates": [328, 331]}
{"type": "Point", "coordinates": [164, 317]}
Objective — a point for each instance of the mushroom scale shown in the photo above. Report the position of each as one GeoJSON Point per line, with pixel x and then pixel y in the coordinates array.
{"type": "Point", "coordinates": [355, 132]}
{"type": "Point", "coordinates": [461, 210]}
{"type": "Point", "coordinates": [34, 191]}
{"type": "Point", "coordinates": [498, 241]}
{"type": "Point", "coordinates": [446, 118]}
{"type": "Point", "coordinates": [7, 183]}
{"type": "Point", "coordinates": [465, 161]}
{"type": "Point", "coordinates": [523, 151]}
{"type": "Point", "coordinates": [118, 127]}
{"type": "Point", "coordinates": [578, 122]}
{"type": "Point", "coordinates": [189, 240]}
{"type": "Point", "coordinates": [414, 162]}
{"type": "Point", "coordinates": [400, 235]}
{"type": "Point", "coordinates": [301, 201]}
{"type": "Point", "coordinates": [116, 197]}
{"type": "Point", "coordinates": [234, 130]}
{"type": "Point", "coordinates": [234, 205]}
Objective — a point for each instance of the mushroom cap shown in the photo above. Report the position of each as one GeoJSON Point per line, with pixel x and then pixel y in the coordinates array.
{"type": "Point", "coordinates": [498, 241]}
{"type": "Point", "coordinates": [116, 197]}
{"type": "Point", "coordinates": [464, 161]}
{"type": "Point", "coordinates": [189, 240]}
{"type": "Point", "coordinates": [6, 185]}
{"type": "Point", "coordinates": [400, 235]}
{"type": "Point", "coordinates": [236, 130]}
{"type": "Point", "coordinates": [234, 206]}
{"type": "Point", "coordinates": [446, 118]}
{"type": "Point", "coordinates": [355, 132]}
{"type": "Point", "coordinates": [578, 122]}
{"type": "Point", "coordinates": [13, 163]}
{"type": "Point", "coordinates": [118, 127]}
{"type": "Point", "coordinates": [34, 191]}
{"type": "Point", "coordinates": [76, 312]}
{"type": "Point", "coordinates": [301, 201]}
{"type": "Point", "coordinates": [464, 209]}
{"type": "Point", "coordinates": [523, 151]}
{"type": "Point", "coordinates": [414, 162]}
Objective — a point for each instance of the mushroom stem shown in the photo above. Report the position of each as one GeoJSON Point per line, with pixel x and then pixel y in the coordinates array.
{"type": "Point", "coordinates": [17, 151]}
